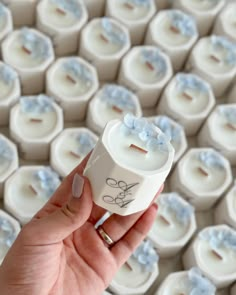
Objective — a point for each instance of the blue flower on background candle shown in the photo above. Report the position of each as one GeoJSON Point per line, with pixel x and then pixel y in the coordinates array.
{"type": "Point", "coordinates": [72, 6]}
{"type": "Point", "coordinates": [6, 154]}
{"type": "Point", "coordinates": [211, 159]}
{"type": "Point", "coordinates": [198, 284]}
{"type": "Point", "coordinates": [146, 256]}
{"type": "Point", "coordinates": [36, 104]}
{"type": "Point", "coordinates": [8, 234]}
{"type": "Point", "coordinates": [7, 74]}
{"type": "Point", "coordinates": [229, 113]}
{"type": "Point", "coordinates": [154, 58]}
{"type": "Point", "coordinates": [119, 96]}
{"type": "Point", "coordinates": [112, 33]}
{"type": "Point", "coordinates": [86, 143]}
{"type": "Point", "coordinates": [144, 3]}
{"type": "Point", "coordinates": [191, 82]}
{"type": "Point", "coordinates": [175, 204]}
{"type": "Point", "coordinates": [183, 23]}
{"type": "Point", "coordinates": [227, 47]}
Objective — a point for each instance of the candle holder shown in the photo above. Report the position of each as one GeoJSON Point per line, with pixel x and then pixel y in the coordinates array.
{"type": "Point", "coordinates": [111, 102]}
{"type": "Point", "coordinates": [28, 190]}
{"type": "Point", "coordinates": [202, 176]}
{"type": "Point", "coordinates": [138, 274]}
{"type": "Point", "coordinates": [8, 160]}
{"type": "Point", "coordinates": [70, 148]}
{"type": "Point", "coordinates": [213, 252]}
{"type": "Point", "coordinates": [62, 20]}
{"type": "Point", "coordinates": [135, 15]}
{"type": "Point", "coordinates": [174, 225]}
{"type": "Point", "coordinates": [103, 43]}
{"type": "Point", "coordinates": [10, 91]}
{"type": "Point", "coordinates": [6, 24]}
{"type": "Point", "coordinates": [146, 70]}
{"type": "Point", "coordinates": [34, 122]}
{"type": "Point", "coordinates": [130, 158]}
{"type": "Point", "coordinates": [174, 131]}
{"type": "Point", "coordinates": [204, 12]}
{"type": "Point", "coordinates": [72, 82]}
{"type": "Point", "coordinates": [221, 121]}
{"type": "Point", "coordinates": [189, 100]}
{"type": "Point", "coordinates": [30, 53]}
{"type": "Point", "coordinates": [9, 229]}
{"type": "Point", "coordinates": [95, 8]}
{"type": "Point", "coordinates": [214, 59]}
{"type": "Point", "coordinates": [175, 33]}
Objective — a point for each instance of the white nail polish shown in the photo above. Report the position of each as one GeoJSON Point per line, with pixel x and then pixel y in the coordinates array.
{"type": "Point", "coordinates": [77, 186]}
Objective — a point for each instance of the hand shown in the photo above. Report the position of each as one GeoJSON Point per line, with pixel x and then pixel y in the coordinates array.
{"type": "Point", "coordinates": [60, 253]}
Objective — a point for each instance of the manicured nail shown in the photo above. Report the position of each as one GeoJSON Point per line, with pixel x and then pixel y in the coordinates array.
{"type": "Point", "coordinates": [77, 186]}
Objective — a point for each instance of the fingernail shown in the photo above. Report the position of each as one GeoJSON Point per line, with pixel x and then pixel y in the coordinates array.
{"type": "Point", "coordinates": [77, 186]}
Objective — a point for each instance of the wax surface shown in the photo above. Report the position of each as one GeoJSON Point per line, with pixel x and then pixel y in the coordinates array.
{"type": "Point", "coordinates": [123, 12]}
{"type": "Point", "coordinates": [200, 5]}
{"type": "Point", "coordinates": [6, 90]}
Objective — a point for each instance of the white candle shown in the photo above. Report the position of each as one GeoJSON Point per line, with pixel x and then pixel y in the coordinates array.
{"type": "Point", "coordinates": [95, 7]}
{"type": "Point", "coordinates": [130, 158]}
{"type": "Point", "coordinates": [214, 58]}
{"type": "Point", "coordinates": [214, 252]}
{"type": "Point", "coordinates": [72, 82]}
{"type": "Point", "coordinates": [9, 229]}
{"type": "Point", "coordinates": [111, 102]}
{"type": "Point", "coordinates": [189, 100]}
{"type": "Point", "coordinates": [175, 32]}
{"type": "Point", "coordinates": [6, 24]}
{"type": "Point", "coordinates": [10, 91]}
{"type": "Point", "coordinates": [138, 274]}
{"type": "Point", "coordinates": [62, 20]}
{"type": "Point", "coordinates": [70, 148]}
{"type": "Point", "coordinates": [174, 225]}
{"type": "Point", "coordinates": [134, 14]}
{"type": "Point", "coordinates": [28, 190]}
{"type": "Point", "coordinates": [30, 53]}
{"type": "Point", "coordinates": [34, 123]}
{"type": "Point", "coordinates": [8, 160]}
{"type": "Point", "coordinates": [104, 42]}
{"type": "Point", "coordinates": [219, 131]}
{"type": "Point", "coordinates": [202, 176]}
{"type": "Point", "coordinates": [146, 70]}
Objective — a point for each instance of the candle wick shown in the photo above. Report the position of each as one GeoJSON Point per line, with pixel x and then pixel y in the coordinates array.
{"type": "Point", "coordinates": [34, 120]}
{"type": "Point", "coordinates": [187, 96]}
{"type": "Point", "coordinates": [104, 38]}
{"type": "Point", "coordinates": [129, 6]}
{"type": "Point", "coordinates": [74, 154]}
{"type": "Point", "coordinates": [203, 171]}
{"type": "Point", "coordinates": [33, 189]}
{"type": "Point", "coordinates": [231, 126]}
{"type": "Point", "coordinates": [26, 50]}
{"type": "Point", "coordinates": [174, 29]}
{"type": "Point", "coordinates": [165, 219]}
{"type": "Point", "coordinates": [217, 254]}
{"type": "Point", "coordinates": [72, 80]}
{"type": "Point", "coordinates": [215, 58]}
{"type": "Point", "coordinates": [150, 66]}
{"type": "Point", "coordinates": [139, 149]}
{"type": "Point", "coordinates": [129, 266]}
{"type": "Point", "coordinates": [60, 11]}
{"type": "Point", "coordinates": [117, 109]}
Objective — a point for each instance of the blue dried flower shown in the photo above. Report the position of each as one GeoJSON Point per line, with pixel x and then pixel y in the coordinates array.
{"type": "Point", "coordinates": [199, 285]}
{"type": "Point", "coordinates": [229, 112]}
{"type": "Point", "coordinates": [184, 23]}
{"type": "Point", "coordinates": [36, 104]}
{"type": "Point", "coordinates": [191, 82]}
{"type": "Point", "coordinates": [146, 256]}
{"type": "Point", "coordinates": [86, 143]}
{"type": "Point", "coordinates": [155, 58]}
{"type": "Point", "coordinates": [211, 159]}
{"type": "Point", "coordinates": [133, 125]}
{"type": "Point", "coordinates": [6, 154]}
{"type": "Point", "coordinates": [229, 48]}
{"type": "Point", "coordinates": [173, 132]}
{"type": "Point", "coordinates": [72, 6]}
{"type": "Point", "coordinates": [148, 132]}
{"type": "Point", "coordinates": [112, 33]}
{"type": "Point", "coordinates": [8, 234]}
{"type": "Point", "coordinates": [7, 74]}
{"type": "Point", "coordinates": [144, 3]}
{"type": "Point", "coordinates": [160, 142]}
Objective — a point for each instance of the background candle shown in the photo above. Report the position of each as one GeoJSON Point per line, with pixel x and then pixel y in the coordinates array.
{"type": "Point", "coordinates": [202, 176]}
{"type": "Point", "coordinates": [95, 7]}
{"type": "Point", "coordinates": [70, 148]}
{"type": "Point", "coordinates": [34, 123]}
{"type": "Point", "coordinates": [134, 14]}
{"type": "Point", "coordinates": [30, 53]}
{"type": "Point", "coordinates": [104, 42]}
{"type": "Point", "coordinates": [62, 20]}
{"type": "Point", "coordinates": [72, 82]}
{"type": "Point", "coordinates": [111, 102]}
{"type": "Point", "coordinates": [146, 70]}
{"type": "Point", "coordinates": [6, 24]}
{"type": "Point", "coordinates": [174, 32]}
{"type": "Point", "coordinates": [28, 189]}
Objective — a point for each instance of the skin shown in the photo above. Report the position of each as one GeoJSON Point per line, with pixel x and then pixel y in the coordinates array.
{"type": "Point", "coordinates": [59, 252]}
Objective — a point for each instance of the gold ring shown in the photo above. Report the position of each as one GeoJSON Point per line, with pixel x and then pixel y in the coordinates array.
{"type": "Point", "coordinates": [105, 237]}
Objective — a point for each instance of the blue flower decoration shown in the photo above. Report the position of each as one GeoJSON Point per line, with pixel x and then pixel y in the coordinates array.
{"type": "Point", "coordinates": [211, 159]}
{"type": "Point", "coordinates": [133, 125]}
{"type": "Point", "coordinates": [223, 44]}
{"type": "Point", "coordinates": [112, 33]}
{"type": "Point", "coordinates": [71, 6]}
{"type": "Point", "coordinates": [7, 74]}
{"type": "Point", "coordinates": [191, 82]}
{"type": "Point", "coordinates": [154, 58]}
{"type": "Point", "coordinates": [198, 284]}
{"type": "Point", "coordinates": [229, 112]}
{"type": "Point", "coordinates": [86, 143]}
{"type": "Point", "coordinates": [143, 3]}
{"type": "Point", "coordinates": [119, 96]}
{"type": "Point", "coordinates": [8, 234]}
{"type": "Point", "coordinates": [175, 204]}
{"type": "Point", "coordinates": [6, 154]}
{"type": "Point", "coordinates": [36, 104]}
{"type": "Point", "coordinates": [183, 22]}
{"type": "Point", "coordinates": [160, 142]}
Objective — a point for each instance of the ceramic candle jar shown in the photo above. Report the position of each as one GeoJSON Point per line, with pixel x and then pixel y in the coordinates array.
{"type": "Point", "coordinates": [10, 91]}
{"type": "Point", "coordinates": [225, 212]}
{"type": "Point", "coordinates": [203, 11]}
{"type": "Point", "coordinates": [30, 53]}
{"type": "Point", "coordinates": [175, 32]}
{"type": "Point", "coordinates": [28, 190]}
{"type": "Point", "coordinates": [104, 41]}
{"type": "Point", "coordinates": [70, 148]}
{"type": "Point", "coordinates": [174, 131]}
{"type": "Point", "coordinates": [134, 14]}
{"type": "Point", "coordinates": [189, 100]}
{"type": "Point", "coordinates": [137, 275]}
{"type": "Point", "coordinates": [111, 102]}
{"type": "Point", "coordinates": [8, 160]}
{"type": "Point", "coordinates": [214, 59]}
{"type": "Point", "coordinates": [186, 282]}
{"type": "Point", "coordinates": [62, 20]}
{"type": "Point", "coordinates": [131, 157]}
{"type": "Point", "coordinates": [146, 70]}
{"type": "Point", "coordinates": [72, 82]}
{"type": "Point", "coordinates": [95, 7]}
{"type": "Point", "coordinates": [202, 176]}
{"type": "Point", "coordinates": [174, 225]}
{"type": "Point", "coordinates": [219, 131]}
{"type": "Point", "coordinates": [34, 122]}
{"type": "Point", "coordinates": [214, 252]}
{"type": "Point", "coordinates": [9, 229]}
{"type": "Point", "coordinates": [6, 25]}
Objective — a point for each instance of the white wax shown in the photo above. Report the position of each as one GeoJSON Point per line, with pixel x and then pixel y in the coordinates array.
{"type": "Point", "coordinates": [5, 90]}
{"type": "Point", "coordinates": [201, 5]}
{"type": "Point", "coordinates": [3, 22]}
{"type": "Point", "coordinates": [178, 285]}
{"type": "Point", "coordinates": [229, 20]}
{"type": "Point", "coordinates": [4, 166]}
